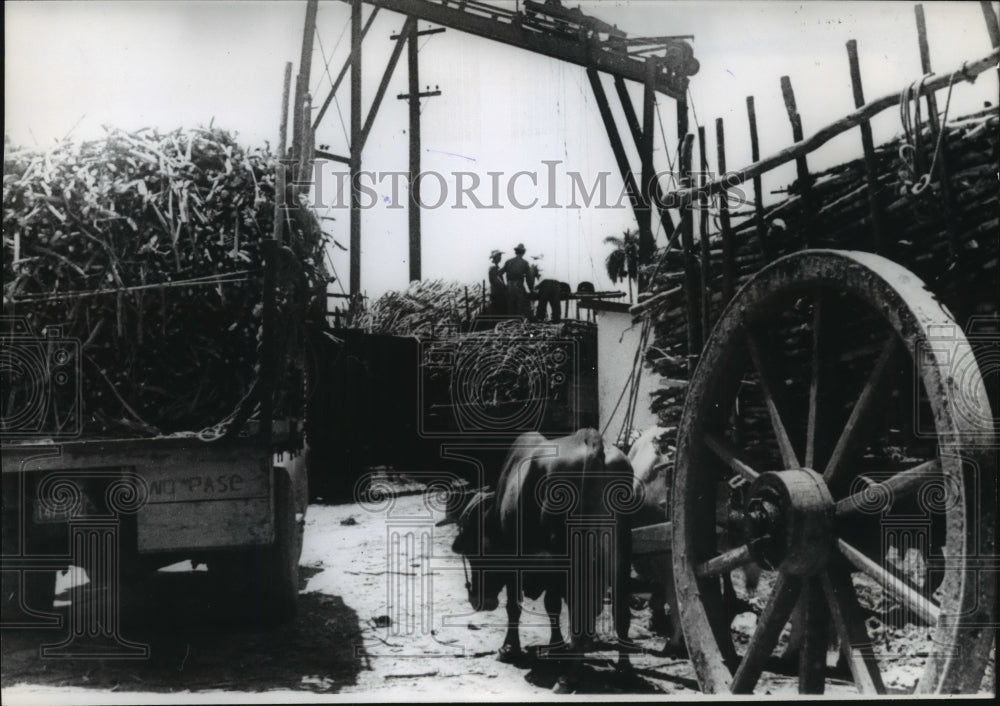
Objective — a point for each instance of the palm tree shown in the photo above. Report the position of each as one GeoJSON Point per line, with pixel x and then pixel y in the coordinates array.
{"type": "Point", "coordinates": [623, 262]}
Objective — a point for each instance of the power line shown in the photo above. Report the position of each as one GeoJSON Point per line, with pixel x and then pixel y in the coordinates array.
{"type": "Point", "coordinates": [326, 61]}
{"type": "Point", "coordinates": [343, 126]}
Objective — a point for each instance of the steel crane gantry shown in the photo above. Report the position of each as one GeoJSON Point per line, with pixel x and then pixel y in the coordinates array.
{"type": "Point", "coordinates": [660, 64]}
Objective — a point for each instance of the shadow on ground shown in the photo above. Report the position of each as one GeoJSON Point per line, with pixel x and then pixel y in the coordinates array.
{"type": "Point", "coordinates": [595, 674]}
{"type": "Point", "coordinates": [200, 638]}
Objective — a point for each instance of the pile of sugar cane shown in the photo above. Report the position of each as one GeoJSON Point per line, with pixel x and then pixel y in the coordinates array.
{"type": "Point", "coordinates": [955, 251]}
{"type": "Point", "coordinates": [426, 309]}
{"type": "Point", "coordinates": [144, 248]}
{"type": "Point", "coordinates": [515, 361]}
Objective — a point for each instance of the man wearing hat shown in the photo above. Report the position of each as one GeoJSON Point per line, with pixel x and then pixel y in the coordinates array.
{"type": "Point", "coordinates": [498, 288]}
{"type": "Point", "coordinates": [518, 273]}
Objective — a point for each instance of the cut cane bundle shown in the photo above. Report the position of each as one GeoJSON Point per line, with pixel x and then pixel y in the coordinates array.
{"type": "Point", "coordinates": [144, 247]}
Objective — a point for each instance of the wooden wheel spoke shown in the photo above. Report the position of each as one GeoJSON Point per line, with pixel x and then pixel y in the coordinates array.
{"type": "Point", "coordinates": [826, 369]}
{"type": "Point", "coordinates": [816, 618]}
{"type": "Point", "coordinates": [814, 387]}
{"type": "Point", "coordinates": [788, 456]}
{"type": "Point", "coordinates": [894, 585]}
{"type": "Point", "coordinates": [721, 449]}
{"type": "Point", "coordinates": [769, 626]}
{"type": "Point", "coordinates": [725, 562]}
{"type": "Point", "coordinates": [854, 642]}
{"type": "Point", "coordinates": [851, 434]}
{"type": "Point", "coordinates": [879, 496]}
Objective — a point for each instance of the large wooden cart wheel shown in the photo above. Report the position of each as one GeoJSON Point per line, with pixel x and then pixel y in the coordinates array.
{"type": "Point", "coordinates": [836, 438]}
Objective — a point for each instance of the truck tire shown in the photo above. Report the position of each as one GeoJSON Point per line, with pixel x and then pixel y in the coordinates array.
{"type": "Point", "coordinates": [279, 577]}
{"type": "Point", "coordinates": [26, 594]}
{"type": "Point", "coordinates": [262, 584]}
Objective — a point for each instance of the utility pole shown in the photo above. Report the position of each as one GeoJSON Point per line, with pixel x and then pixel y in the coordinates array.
{"type": "Point", "coordinates": [414, 207]}
{"type": "Point", "coordinates": [414, 97]}
{"type": "Point", "coordinates": [355, 157]}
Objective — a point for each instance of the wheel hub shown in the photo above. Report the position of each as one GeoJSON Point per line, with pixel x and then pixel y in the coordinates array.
{"type": "Point", "coordinates": [788, 521]}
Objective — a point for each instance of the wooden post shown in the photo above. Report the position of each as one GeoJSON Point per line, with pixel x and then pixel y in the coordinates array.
{"type": "Point", "coordinates": [656, 198]}
{"type": "Point", "coordinates": [343, 72]}
{"type": "Point", "coordinates": [269, 321]}
{"type": "Point", "coordinates": [414, 103]}
{"type": "Point", "coordinates": [305, 146]}
{"type": "Point", "coordinates": [279, 189]}
{"type": "Point", "coordinates": [706, 252]}
{"type": "Point", "coordinates": [692, 287]}
{"type": "Point", "coordinates": [871, 168]}
{"type": "Point", "coordinates": [758, 196]}
{"type": "Point", "coordinates": [942, 167]}
{"type": "Point", "coordinates": [801, 164]}
{"type": "Point", "coordinates": [646, 240]}
{"type": "Point", "coordinates": [682, 121]}
{"type": "Point", "coordinates": [925, 64]}
{"type": "Point", "coordinates": [302, 79]}
{"type": "Point", "coordinates": [728, 251]}
{"type": "Point", "coordinates": [629, 110]}
{"type": "Point", "coordinates": [967, 72]}
{"type": "Point", "coordinates": [397, 51]}
{"type": "Point", "coordinates": [355, 166]}
{"type": "Point", "coordinates": [639, 206]}
{"type": "Point", "coordinates": [992, 23]}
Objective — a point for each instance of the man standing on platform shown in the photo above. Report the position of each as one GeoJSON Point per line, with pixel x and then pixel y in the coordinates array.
{"type": "Point", "coordinates": [498, 288]}
{"type": "Point", "coordinates": [518, 273]}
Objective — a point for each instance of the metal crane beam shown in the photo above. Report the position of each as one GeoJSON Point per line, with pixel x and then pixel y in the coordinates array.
{"type": "Point", "coordinates": [584, 48]}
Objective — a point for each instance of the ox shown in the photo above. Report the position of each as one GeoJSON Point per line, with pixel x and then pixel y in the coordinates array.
{"type": "Point", "coordinates": [653, 477]}
{"type": "Point", "coordinates": [559, 523]}
{"type": "Point", "coordinates": [651, 483]}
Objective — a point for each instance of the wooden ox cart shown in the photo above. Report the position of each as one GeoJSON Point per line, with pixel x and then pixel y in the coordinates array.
{"type": "Point", "coordinates": [824, 361]}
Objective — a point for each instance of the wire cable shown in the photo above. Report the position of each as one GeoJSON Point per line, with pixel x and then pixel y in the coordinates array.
{"type": "Point", "coordinates": [227, 278]}
{"type": "Point", "coordinates": [343, 125]}
{"type": "Point", "coordinates": [326, 61]}
{"type": "Point", "coordinates": [333, 268]}
{"type": "Point", "coordinates": [663, 136]}
{"type": "Point", "coordinates": [694, 111]}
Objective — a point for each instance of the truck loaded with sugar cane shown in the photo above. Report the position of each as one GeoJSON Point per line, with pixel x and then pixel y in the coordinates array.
{"type": "Point", "coordinates": [430, 368]}
{"type": "Point", "coordinates": [158, 299]}
{"type": "Point", "coordinates": [824, 363]}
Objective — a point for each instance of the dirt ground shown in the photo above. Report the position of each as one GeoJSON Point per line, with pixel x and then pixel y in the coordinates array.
{"type": "Point", "coordinates": [349, 641]}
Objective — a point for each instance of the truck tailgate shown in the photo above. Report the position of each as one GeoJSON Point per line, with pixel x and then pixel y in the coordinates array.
{"type": "Point", "coordinates": [185, 493]}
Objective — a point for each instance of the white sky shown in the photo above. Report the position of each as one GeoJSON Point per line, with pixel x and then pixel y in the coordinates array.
{"type": "Point", "coordinates": [72, 67]}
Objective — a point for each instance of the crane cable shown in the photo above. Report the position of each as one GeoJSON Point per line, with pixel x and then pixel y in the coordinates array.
{"type": "Point", "coordinates": [631, 387]}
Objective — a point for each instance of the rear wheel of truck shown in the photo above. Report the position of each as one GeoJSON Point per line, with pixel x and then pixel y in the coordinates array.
{"type": "Point", "coordinates": [27, 597]}
{"type": "Point", "coordinates": [263, 582]}
{"type": "Point", "coordinates": [279, 578]}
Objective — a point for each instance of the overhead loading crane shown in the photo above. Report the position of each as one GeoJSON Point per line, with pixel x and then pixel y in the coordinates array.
{"type": "Point", "coordinates": [660, 64]}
